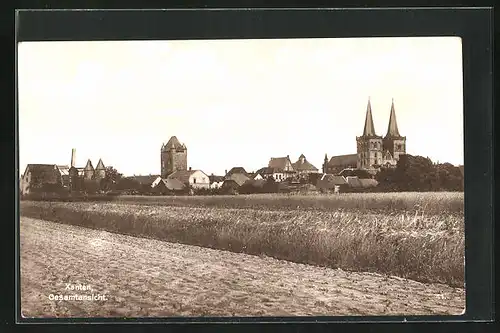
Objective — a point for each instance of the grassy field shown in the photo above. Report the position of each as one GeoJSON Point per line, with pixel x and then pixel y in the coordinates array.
{"type": "Point", "coordinates": [423, 202]}
{"type": "Point", "coordinates": [149, 278]}
{"type": "Point", "coordinates": [419, 236]}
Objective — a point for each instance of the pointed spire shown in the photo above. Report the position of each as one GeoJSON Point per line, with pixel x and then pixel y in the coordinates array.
{"type": "Point", "coordinates": [392, 129]}
{"type": "Point", "coordinates": [369, 129]}
{"type": "Point", "coordinates": [89, 165]}
{"type": "Point", "coordinates": [100, 165]}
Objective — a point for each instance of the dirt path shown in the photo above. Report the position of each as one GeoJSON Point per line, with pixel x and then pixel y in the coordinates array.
{"type": "Point", "coordinates": [148, 278]}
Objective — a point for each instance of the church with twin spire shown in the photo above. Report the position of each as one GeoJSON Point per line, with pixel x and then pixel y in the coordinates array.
{"type": "Point", "coordinates": [373, 151]}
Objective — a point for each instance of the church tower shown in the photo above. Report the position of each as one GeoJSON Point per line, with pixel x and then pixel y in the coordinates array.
{"type": "Point", "coordinates": [325, 164]}
{"type": "Point", "coordinates": [393, 143]}
{"type": "Point", "coordinates": [369, 145]}
{"type": "Point", "coordinates": [173, 157]}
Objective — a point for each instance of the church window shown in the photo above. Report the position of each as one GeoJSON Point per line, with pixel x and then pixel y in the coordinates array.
{"type": "Point", "coordinates": [194, 180]}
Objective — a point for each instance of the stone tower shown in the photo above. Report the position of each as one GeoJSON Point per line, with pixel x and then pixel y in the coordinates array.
{"type": "Point", "coordinates": [173, 157]}
{"type": "Point", "coordinates": [88, 171]}
{"type": "Point", "coordinates": [369, 145]}
{"type": "Point", "coordinates": [100, 170]}
{"type": "Point", "coordinates": [393, 142]}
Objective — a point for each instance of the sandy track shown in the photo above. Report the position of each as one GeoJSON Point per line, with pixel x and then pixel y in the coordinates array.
{"type": "Point", "coordinates": [144, 277]}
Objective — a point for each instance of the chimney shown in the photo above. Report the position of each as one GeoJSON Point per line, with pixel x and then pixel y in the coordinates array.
{"type": "Point", "coordinates": [225, 172]}
{"type": "Point", "coordinates": [189, 168]}
{"type": "Point", "coordinates": [73, 152]}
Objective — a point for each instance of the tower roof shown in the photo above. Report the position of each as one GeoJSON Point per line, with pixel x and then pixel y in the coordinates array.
{"type": "Point", "coordinates": [89, 166]}
{"type": "Point", "coordinates": [100, 165]}
{"type": "Point", "coordinates": [392, 129]}
{"type": "Point", "coordinates": [174, 143]}
{"type": "Point", "coordinates": [369, 129]}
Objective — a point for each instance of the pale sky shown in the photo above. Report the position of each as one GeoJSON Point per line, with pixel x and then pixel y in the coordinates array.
{"type": "Point", "coordinates": [235, 102]}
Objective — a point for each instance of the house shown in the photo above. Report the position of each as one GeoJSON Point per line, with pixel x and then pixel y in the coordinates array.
{"type": "Point", "coordinates": [282, 163]}
{"type": "Point", "coordinates": [278, 174]}
{"type": "Point", "coordinates": [239, 178]}
{"type": "Point", "coordinates": [303, 167]}
{"type": "Point", "coordinates": [350, 172]}
{"type": "Point", "coordinates": [36, 177]}
{"type": "Point", "coordinates": [354, 182]}
{"type": "Point", "coordinates": [215, 181]}
{"type": "Point", "coordinates": [64, 170]}
{"type": "Point", "coordinates": [329, 182]}
{"type": "Point", "coordinates": [238, 170]}
{"type": "Point", "coordinates": [194, 178]}
{"type": "Point", "coordinates": [256, 176]}
{"type": "Point", "coordinates": [164, 186]}
{"type": "Point", "coordinates": [146, 180]}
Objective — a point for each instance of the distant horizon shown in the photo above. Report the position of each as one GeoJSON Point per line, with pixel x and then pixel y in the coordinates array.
{"type": "Point", "coordinates": [235, 102]}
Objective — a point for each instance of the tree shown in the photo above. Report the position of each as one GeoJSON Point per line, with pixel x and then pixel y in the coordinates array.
{"type": "Point", "coordinates": [110, 180]}
{"type": "Point", "coordinates": [125, 183]}
{"type": "Point", "coordinates": [417, 173]}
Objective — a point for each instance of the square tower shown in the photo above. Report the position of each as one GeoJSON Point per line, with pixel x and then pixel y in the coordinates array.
{"type": "Point", "coordinates": [173, 157]}
{"type": "Point", "coordinates": [369, 145]}
{"type": "Point", "coordinates": [393, 142]}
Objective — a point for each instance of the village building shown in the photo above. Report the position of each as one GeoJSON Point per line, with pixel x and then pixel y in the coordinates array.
{"type": "Point", "coordinates": [64, 170]}
{"type": "Point", "coordinates": [145, 180]}
{"type": "Point", "coordinates": [36, 176]}
{"type": "Point", "coordinates": [236, 170]}
{"type": "Point", "coordinates": [86, 175]}
{"type": "Point", "coordinates": [303, 167]}
{"type": "Point", "coordinates": [338, 163]}
{"type": "Point", "coordinates": [173, 157]}
{"type": "Point", "coordinates": [351, 172]}
{"type": "Point", "coordinates": [256, 176]}
{"type": "Point", "coordinates": [215, 181]}
{"type": "Point", "coordinates": [238, 178]}
{"type": "Point", "coordinates": [329, 182]}
{"type": "Point", "coordinates": [277, 174]}
{"type": "Point", "coordinates": [167, 186]}
{"type": "Point", "coordinates": [280, 168]}
{"type": "Point", "coordinates": [196, 179]}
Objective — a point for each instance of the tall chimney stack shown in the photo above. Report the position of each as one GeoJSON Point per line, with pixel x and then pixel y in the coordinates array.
{"type": "Point", "coordinates": [73, 152]}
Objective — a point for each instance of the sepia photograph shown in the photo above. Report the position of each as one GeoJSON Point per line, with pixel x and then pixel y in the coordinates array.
{"type": "Point", "coordinates": [241, 177]}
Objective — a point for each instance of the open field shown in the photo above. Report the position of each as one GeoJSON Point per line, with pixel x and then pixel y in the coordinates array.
{"type": "Point", "coordinates": [423, 202]}
{"type": "Point", "coordinates": [417, 236]}
{"type": "Point", "coordinates": [145, 277]}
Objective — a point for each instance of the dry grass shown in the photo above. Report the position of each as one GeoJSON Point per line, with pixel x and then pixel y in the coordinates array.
{"type": "Point", "coordinates": [149, 278]}
{"type": "Point", "coordinates": [411, 243]}
{"type": "Point", "coordinates": [424, 202]}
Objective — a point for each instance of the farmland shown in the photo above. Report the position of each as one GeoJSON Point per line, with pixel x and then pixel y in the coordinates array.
{"type": "Point", "coordinates": [423, 202]}
{"type": "Point", "coordinates": [419, 236]}
{"type": "Point", "coordinates": [150, 278]}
